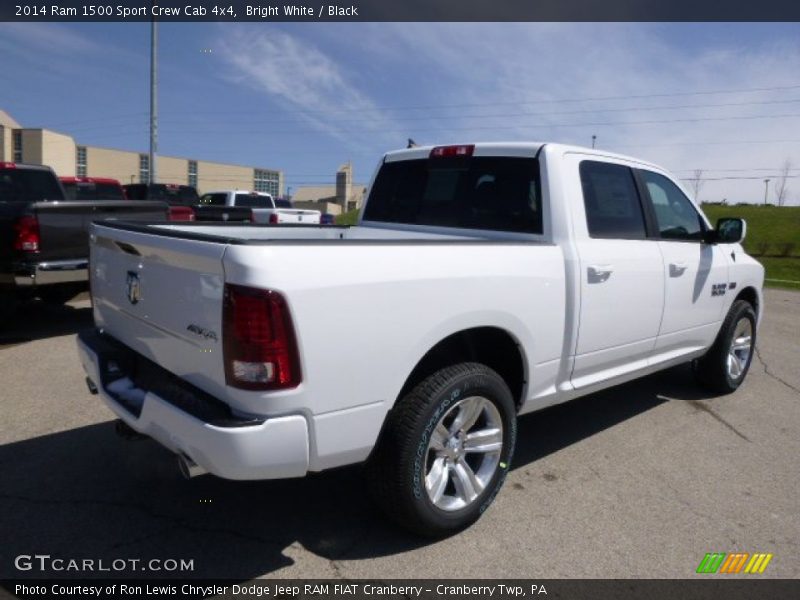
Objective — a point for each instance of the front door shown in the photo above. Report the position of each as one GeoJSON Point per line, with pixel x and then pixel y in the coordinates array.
{"type": "Point", "coordinates": [695, 273]}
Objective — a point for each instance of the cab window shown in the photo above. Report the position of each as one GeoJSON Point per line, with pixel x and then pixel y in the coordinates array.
{"type": "Point", "coordinates": [675, 215]}
{"type": "Point", "coordinates": [613, 208]}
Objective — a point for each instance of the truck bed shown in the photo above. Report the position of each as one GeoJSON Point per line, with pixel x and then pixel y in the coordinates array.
{"type": "Point", "coordinates": [248, 233]}
{"type": "Point", "coordinates": [182, 271]}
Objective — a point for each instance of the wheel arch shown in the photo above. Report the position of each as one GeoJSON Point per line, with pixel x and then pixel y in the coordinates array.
{"type": "Point", "coordinates": [750, 294]}
{"type": "Point", "coordinates": [494, 347]}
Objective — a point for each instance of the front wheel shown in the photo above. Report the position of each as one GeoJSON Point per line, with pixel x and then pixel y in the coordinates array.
{"type": "Point", "coordinates": [445, 451]}
{"type": "Point", "coordinates": [725, 365]}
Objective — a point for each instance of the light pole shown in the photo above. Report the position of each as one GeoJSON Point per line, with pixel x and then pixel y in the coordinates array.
{"type": "Point", "coordinates": [153, 100]}
{"type": "Point", "coordinates": [766, 189]}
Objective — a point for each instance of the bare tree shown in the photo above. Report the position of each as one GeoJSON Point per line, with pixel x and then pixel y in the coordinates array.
{"type": "Point", "coordinates": [697, 182]}
{"type": "Point", "coordinates": [781, 189]}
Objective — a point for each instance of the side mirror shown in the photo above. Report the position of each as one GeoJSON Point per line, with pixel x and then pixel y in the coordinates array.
{"type": "Point", "coordinates": [728, 231]}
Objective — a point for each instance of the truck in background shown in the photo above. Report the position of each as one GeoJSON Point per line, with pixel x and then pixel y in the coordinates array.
{"type": "Point", "coordinates": [44, 240]}
{"type": "Point", "coordinates": [92, 188]}
{"type": "Point", "coordinates": [184, 203]}
{"type": "Point", "coordinates": [265, 208]}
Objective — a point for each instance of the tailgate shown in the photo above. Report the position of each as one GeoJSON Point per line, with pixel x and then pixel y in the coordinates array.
{"type": "Point", "coordinates": [63, 226]}
{"type": "Point", "coordinates": [162, 297]}
{"type": "Point", "coordinates": [295, 215]}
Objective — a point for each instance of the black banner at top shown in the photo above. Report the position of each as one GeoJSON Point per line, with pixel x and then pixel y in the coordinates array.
{"type": "Point", "coordinates": [399, 10]}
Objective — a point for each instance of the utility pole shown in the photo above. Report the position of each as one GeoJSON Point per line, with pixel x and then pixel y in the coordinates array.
{"type": "Point", "coordinates": [153, 100]}
{"type": "Point", "coordinates": [594, 139]}
{"type": "Point", "coordinates": [766, 189]}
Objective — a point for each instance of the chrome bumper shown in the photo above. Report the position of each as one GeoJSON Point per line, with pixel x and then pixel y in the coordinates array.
{"type": "Point", "coordinates": [50, 272]}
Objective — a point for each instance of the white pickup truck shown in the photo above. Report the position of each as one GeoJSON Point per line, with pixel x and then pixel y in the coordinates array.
{"type": "Point", "coordinates": [265, 209]}
{"type": "Point", "coordinates": [482, 282]}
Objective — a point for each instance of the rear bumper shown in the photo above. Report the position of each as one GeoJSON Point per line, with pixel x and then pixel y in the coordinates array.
{"type": "Point", "coordinates": [51, 272]}
{"type": "Point", "coordinates": [188, 421]}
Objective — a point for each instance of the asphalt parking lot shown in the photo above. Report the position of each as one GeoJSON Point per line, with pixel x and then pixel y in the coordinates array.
{"type": "Point", "coordinates": [638, 481]}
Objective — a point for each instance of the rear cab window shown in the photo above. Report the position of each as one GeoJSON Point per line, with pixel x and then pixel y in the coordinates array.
{"type": "Point", "coordinates": [29, 185]}
{"type": "Point", "coordinates": [213, 199]}
{"type": "Point", "coordinates": [93, 191]}
{"type": "Point", "coordinates": [467, 192]}
{"type": "Point", "coordinates": [252, 201]}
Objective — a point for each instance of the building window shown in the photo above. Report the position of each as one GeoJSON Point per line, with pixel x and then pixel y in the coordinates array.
{"type": "Point", "coordinates": [144, 168]}
{"type": "Point", "coordinates": [193, 173]}
{"type": "Point", "coordinates": [17, 146]}
{"type": "Point", "coordinates": [80, 161]}
{"type": "Point", "coordinates": [266, 181]}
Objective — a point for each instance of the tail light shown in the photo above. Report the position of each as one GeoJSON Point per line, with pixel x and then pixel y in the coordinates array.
{"type": "Point", "coordinates": [181, 213]}
{"type": "Point", "coordinates": [445, 151]}
{"type": "Point", "coordinates": [26, 234]}
{"type": "Point", "coordinates": [259, 345]}
{"type": "Point", "coordinates": [273, 219]}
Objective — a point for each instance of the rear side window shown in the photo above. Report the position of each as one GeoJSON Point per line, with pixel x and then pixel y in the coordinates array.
{"type": "Point", "coordinates": [677, 219]}
{"type": "Point", "coordinates": [28, 185]}
{"type": "Point", "coordinates": [479, 192]}
{"type": "Point", "coordinates": [613, 208]}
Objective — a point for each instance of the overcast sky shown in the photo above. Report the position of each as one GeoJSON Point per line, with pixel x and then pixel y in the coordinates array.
{"type": "Point", "coordinates": [305, 98]}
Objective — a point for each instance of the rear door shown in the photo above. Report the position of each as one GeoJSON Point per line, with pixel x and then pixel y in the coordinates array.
{"type": "Point", "coordinates": [621, 277]}
{"type": "Point", "coordinates": [695, 273]}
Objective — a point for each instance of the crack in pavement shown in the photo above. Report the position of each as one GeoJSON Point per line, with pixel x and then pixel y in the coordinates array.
{"type": "Point", "coordinates": [698, 405]}
{"type": "Point", "coordinates": [771, 374]}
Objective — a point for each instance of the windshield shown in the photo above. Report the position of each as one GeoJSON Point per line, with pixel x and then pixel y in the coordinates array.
{"type": "Point", "coordinates": [484, 192]}
{"type": "Point", "coordinates": [29, 185]}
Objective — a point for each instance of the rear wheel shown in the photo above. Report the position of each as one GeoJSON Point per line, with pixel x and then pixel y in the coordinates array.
{"type": "Point", "coordinates": [725, 365]}
{"type": "Point", "coordinates": [446, 450]}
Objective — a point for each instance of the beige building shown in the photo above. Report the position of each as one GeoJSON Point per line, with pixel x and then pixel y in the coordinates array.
{"type": "Point", "coordinates": [330, 198]}
{"type": "Point", "coordinates": [70, 159]}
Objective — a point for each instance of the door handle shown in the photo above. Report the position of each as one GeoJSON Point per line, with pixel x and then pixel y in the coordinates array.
{"type": "Point", "coordinates": [676, 269]}
{"type": "Point", "coordinates": [599, 273]}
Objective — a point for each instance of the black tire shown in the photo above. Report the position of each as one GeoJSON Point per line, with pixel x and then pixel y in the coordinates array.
{"type": "Point", "coordinates": [396, 470]}
{"type": "Point", "coordinates": [711, 370]}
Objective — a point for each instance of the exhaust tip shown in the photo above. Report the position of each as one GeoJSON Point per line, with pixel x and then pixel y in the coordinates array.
{"type": "Point", "coordinates": [188, 468]}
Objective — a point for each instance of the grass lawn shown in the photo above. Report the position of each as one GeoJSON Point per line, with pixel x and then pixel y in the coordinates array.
{"type": "Point", "coordinates": [769, 228]}
{"type": "Point", "coordinates": [773, 238]}
{"type": "Point", "coordinates": [348, 218]}
{"type": "Point", "coordinates": [785, 270]}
